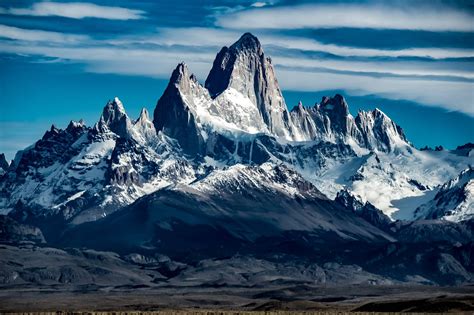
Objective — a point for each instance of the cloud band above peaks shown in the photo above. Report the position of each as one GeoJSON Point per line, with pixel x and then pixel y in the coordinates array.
{"type": "Point", "coordinates": [426, 18]}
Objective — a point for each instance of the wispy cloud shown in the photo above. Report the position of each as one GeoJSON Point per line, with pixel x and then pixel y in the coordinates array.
{"type": "Point", "coordinates": [77, 10]}
{"type": "Point", "coordinates": [376, 16]}
{"type": "Point", "coordinates": [258, 4]}
{"type": "Point", "coordinates": [430, 75]}
{"type": "Point", "coordinates": [430, 86]}
{"type": "Point", "coordinates": [16, 33]}
{"type": "Point", "coordinates": [172, 45]}
{"type": "Point", "coordinates": [200, 36]}
{"type": "Point", "coordinates": [313, 45]}
{"type": "Point", "coordinates": [453, 96]}
{"type": "Point", "coordinates": [214, 38]}
{"type": "Point", "coordinates": [392, 68]}
{"type": "Point", "coordinates": [118, 59]}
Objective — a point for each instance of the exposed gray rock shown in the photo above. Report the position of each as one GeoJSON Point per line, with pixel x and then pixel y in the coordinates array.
{"type": "Point", "coordinates": [245, 68]}
{"type": "Point", "coordinates": [365, 210]}
{"type": "Point", "coordinates": [330, 120]}
{"type": "Point", "coordinates": [3, 163]}
{"type": "Point", "coordinates": [44, 266]}
{"type": "Point", "coordinates": [14, 232]}
{"type": "Point", "coordinates": [454, 201]}
{"type": "Point", "coordinates": [174, 117]}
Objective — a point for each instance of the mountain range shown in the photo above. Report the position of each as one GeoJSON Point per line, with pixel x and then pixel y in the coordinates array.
{"type": "Point", "coordinates": [225, 168]}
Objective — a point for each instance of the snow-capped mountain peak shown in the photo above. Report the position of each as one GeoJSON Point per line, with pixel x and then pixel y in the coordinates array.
{"type": "Point", "coordinates": [247, 48]}
{"type": "Point", "coordinates": [144, 130]}
{"type": "Point", "coordinates": [379, 131]}
{"type": "Point", "coordinates": [113, 111]}
{"type": "Point", "coordinates": [238, 118]}
{"type": "Point", "coordinates": [144, 117]}
{"type": "Point", "coordinates": [115, 119]}
{"type": "Point", "coordinates": [76, 125]}
{"type": "Point", "coordinates": [331, 121]}
{"type": "Point", "coordinates": [336, 105]}
{"type": "Point", "coordinates": [248, 73]}
{"type": "Point", "coordinates": [454, 200]}
{"type": "Point", "coordinates": [248, 43]}
{"type": "Point", "coordinates": [176, 110]}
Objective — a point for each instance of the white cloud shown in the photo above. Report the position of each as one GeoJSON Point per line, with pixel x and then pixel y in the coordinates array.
{"type": "Point", "coordinates": [38, 35]}
{"type": "Point", "coordinates": [457, 96]}
{"type": "Point", "coordinates": [132, 56]}
{"type": "Point", "coordinates": [258, 4]}
{"type": "Point", "coordinates": [78, 10]}
{"type": "Point", "coordinates": [119, 60]}
{"type": "Point", "coordinates": [190, 36]}
{"type": "Point", "coordinates": [199, 36]}
{"type": "Point", "coordinates": [375, 67]}
{"type": "Point", "coordinates": [220, 37]}
{"type": "Point", "coordinates": [313, 45]}
{"type": "Point", "coordinates": [416, 17]}
{"type": "Point", "coordinates": [159, 63]}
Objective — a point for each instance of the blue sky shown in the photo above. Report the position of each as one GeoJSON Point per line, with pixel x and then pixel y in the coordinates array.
{"type": "Point", "coordinates": [62, 60]}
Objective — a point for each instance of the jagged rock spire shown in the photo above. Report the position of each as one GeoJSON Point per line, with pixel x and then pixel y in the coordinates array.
{"type": "Point", "coordinates": [336, 105]}
{"type": "Point", "coordinates": [144, 129]}
{"type": "Point", "coordinates": [220, 75]}
{"type": "Point", "coordinates": [144, 116]}
{"type": "Point", "coordinates": [113, 111]}
{"type": "Point", "coordinates": [175, 116]}
{"type": "Point", "coordinates": [242, 93]}
{"type": "Point", "coordinates": [244, 68]}
{"type": "Point", "coordinates": [115, 119]}
{"type": "Point", "coordinates": [248, 42]}
{"type": "Point", "coordinates": [3, 162]}
{"type": "Point", "coordinates": [379, 131]}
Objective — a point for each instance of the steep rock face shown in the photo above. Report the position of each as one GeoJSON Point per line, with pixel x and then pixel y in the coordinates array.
{"type": "Point", "coordinates": [175, 112]}
{"type": "Point", "coordinates": [242, 99]}
{"type": "Point", "coordinates": [333, 119]}
{"type": "Point", "coordinates": [90, 172]}
{"type": "Point", "coordinates": [56, 145]}
{"type": "Point", "coordinates": [115, 119]}
{"type": "Point", "coordinates": [365, 210]}
{"type": "Point", "coordinates": [243, 67]}
{"type": "Point", "coordinates": [14, 232]}
{"type": "Point", "coordinates": [3, 163]}
{"type": "Point", "coordinates": [454, 200]}
{"type": "Point", "coordinates": [144, 129]}
{"type": "Point", "coordinates": [81, 174]}
{"type": "Point", "coordinates": [330, 120]}
{"type": "Point", "coordinates": [305, 122]}
{"type": "Point", "coordinates": [379, 131]}
{"type": "Point", "coordinates": [228, 208]}
{"type": "Point", "coordinates": [60, 168]}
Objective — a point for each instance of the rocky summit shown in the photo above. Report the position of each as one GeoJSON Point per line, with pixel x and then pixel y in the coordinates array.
{"type": "Point", "coordinates": [226, 172]}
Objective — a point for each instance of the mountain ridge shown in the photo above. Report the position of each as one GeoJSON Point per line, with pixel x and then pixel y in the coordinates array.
{"type": "Point", "coordinates": [198, 129]}
{"type": "Point", "coordinates": [224, 175]}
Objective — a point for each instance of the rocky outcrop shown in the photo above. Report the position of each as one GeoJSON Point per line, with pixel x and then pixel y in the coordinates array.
{"type": "Point", "coordinates": [454, 201]}
{"type": "Point", "coordinates": [115, 119]}
{"type": "Point", "coordinates": [175, 112]}
{"type": "Point", "coordinates": [244, 68]}
{"type": "Point", "coordinates": [364, 210]}
{"type": "Point", "coordinates": [3, 163]}
{"type": "Point", "coordinates": [331, 121]}
{"type": "Point", "coordinates": [379, 132]}
{"type": "Point", "coordinates": [13, 232]}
